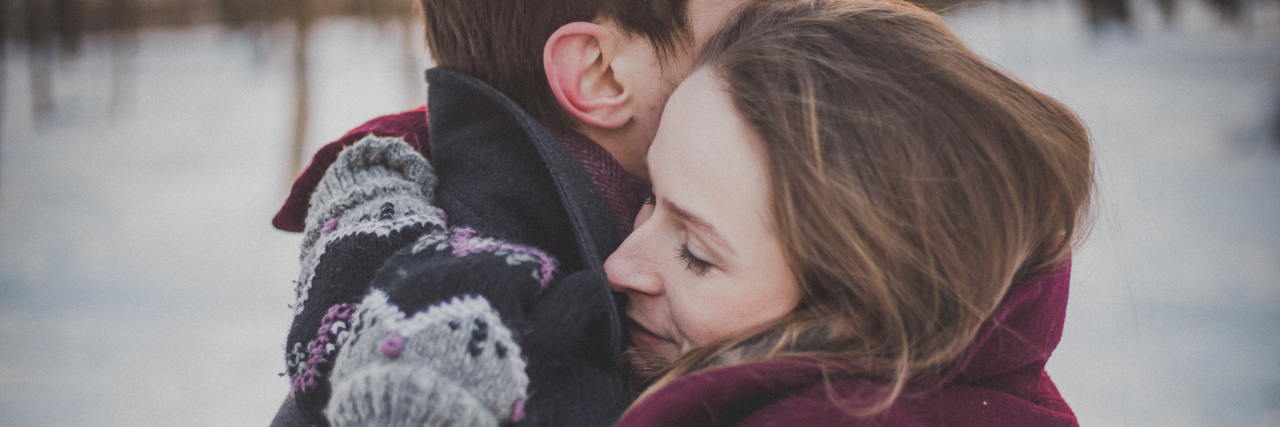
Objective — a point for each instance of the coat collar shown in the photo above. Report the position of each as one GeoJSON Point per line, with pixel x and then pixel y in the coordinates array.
{"type": "Point", "coordinates": [503, 173]}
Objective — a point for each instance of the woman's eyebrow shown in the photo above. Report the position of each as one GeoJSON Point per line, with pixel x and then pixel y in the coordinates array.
{"type": "Point", "coordinates": [715, 238]}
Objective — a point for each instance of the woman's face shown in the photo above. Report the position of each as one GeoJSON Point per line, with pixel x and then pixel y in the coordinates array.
{"type": "Point", "coordinates": [704, 262]}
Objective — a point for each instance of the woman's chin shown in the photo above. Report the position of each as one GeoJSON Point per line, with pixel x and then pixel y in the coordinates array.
{"type": "Point", "coordinates": [668, 350]}
{"type": "Point", "coordinates": [652, 343]}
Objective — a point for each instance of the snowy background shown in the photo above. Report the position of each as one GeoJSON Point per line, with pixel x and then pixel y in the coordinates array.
{"type": "Point", "coordinates": [141, 283]}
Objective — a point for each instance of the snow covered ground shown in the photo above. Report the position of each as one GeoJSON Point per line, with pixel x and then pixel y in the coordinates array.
{"type": "Point", "coordinates": [142, 285]}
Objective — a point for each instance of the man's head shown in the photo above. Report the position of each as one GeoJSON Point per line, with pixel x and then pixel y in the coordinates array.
{"type": "Point", "coordinates": [602, 67]}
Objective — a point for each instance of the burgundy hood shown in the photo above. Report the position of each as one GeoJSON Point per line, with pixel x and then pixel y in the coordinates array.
{"type": "Point", "coordinates": [1000, 382]}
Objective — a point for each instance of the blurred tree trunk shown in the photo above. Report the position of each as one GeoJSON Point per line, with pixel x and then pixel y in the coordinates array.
{"type": "Point", "coordinates": [38, 24]}
{"type": "Point", "coordinates": [1103, 12]}
{"type": "Point", "coordinates": [123, 19]}
{"type": "Point", "coordinates": [301, 14]}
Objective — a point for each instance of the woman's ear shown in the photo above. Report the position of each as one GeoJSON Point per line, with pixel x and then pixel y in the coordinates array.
{"type": "Point", "coordinates": [578, 59]}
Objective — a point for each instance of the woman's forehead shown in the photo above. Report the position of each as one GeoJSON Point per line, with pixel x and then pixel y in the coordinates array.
{"type": "Point", "coordinates": [705, 159]}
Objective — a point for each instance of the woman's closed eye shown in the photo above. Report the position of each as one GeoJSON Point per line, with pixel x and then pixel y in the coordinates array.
{"type": "Point", "coordinates": [696, 265]}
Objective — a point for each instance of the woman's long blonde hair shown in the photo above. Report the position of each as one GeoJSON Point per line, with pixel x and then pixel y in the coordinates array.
{"type": "Point", "coordinates": [912, 183]}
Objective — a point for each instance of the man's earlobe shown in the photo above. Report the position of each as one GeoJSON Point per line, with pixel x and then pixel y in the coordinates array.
{"type": "Point", "coordinates": [578, 59]}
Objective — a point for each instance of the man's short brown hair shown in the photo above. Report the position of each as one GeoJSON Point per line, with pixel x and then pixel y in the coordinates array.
{"type": "Point", "coordinates": [500, 42]}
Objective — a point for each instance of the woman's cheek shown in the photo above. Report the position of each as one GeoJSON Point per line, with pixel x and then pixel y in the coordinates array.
{"type": "Point", "coordinates": [700, 320]}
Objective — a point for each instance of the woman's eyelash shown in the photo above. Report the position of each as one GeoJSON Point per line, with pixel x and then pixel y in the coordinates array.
{"type": "Point", "coordinates": [693, 263]}
{"type": "Point", "coordinates": [650, 199]}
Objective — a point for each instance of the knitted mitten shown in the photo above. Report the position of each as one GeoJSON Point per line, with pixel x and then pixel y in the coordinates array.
{"type": "Point", "coordinates": [366, 176]}
{"type": "Point", "coordinates": [553, 321]}
{"type": "Point", "coordinates": [452, 298]}
{"type": "Point", "coordinates": [440, 266]}
{"type": "Point", "coordinates": [372, 201]}
{"type": "Point", "coordinates": [454, 364]}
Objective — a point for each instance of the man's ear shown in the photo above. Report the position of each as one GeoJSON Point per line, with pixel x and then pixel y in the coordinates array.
{"type": "Point", "coordinates": [578, 59]}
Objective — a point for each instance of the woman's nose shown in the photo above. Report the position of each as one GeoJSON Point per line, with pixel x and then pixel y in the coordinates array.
{"type": "Point", "coordinates": [630, 270]}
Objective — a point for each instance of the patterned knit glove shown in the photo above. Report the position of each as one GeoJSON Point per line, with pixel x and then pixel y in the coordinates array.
{"type": "Point", "coordinates": [453, 364]}
{"type": "Point", "coordinates": [569, 367]}
{"type": "Point", "coordinates": [372, 172]}
{"type": "Point", "coordinates": [462, 294]}
{"type": "Point", "coordinates": [374, 200]}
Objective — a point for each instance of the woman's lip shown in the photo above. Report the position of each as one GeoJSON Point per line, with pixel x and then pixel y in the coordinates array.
{"type": "Point", "coordinates": [644, 338]}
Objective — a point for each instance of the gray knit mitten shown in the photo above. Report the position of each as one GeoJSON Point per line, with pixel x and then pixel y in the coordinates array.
{"type": "Point", "coordinates": [374, 200]}
{"type": "Point", "coordinates": [366, 177]}
{"type": "Point", "coordinates": [453, 364]}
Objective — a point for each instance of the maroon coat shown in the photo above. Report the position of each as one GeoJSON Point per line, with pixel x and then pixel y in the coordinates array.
{"type": "Point", "coordinates": [1000, 382]}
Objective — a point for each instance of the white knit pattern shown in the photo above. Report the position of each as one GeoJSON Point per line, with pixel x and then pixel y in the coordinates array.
{"type": "Point", "coordinates": [458, 366]}
{"type": "Point", "coordinates": [380, 228]}
{"type": "Point", "coordinates": [369, 176]}
{"type": "Point", "coordinates": [353, 179]}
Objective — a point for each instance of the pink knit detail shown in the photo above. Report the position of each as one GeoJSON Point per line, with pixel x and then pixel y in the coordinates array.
{"type": "Point", "coordinates": [465, 242]}
{"type": "Point", "coordinates": [326, 334]}
{"type": "Point", "coordinates": [330, 226]}
{"type": "Point", "coordinates": [517, 411]}
{"type": "Point", "coordinates": [622, 191]}
{"type": "Point", "coordinates": [393, 345]}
